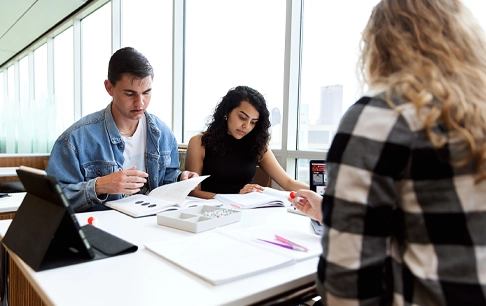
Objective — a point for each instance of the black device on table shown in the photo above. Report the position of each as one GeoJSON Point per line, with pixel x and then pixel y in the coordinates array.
{"type": "Point", "coordinates": [317, 226]}
{"type": "Point", "coordinates": [45, 233]}
{"type": "Point", "coordinates": [317, 175]}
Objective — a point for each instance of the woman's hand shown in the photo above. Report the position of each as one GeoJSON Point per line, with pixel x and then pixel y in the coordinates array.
{"type": "Point", "coordinates": [308, 202]}
{"type": "Point", "coordinates": [251, 188]}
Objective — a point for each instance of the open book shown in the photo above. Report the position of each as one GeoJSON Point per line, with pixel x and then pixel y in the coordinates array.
{"type": "Point", "coordinates": [167, 197]}
{"type": "Point", "coordinates": [268, 198]}
{"type": "Point", "coordinates": [224, 256]}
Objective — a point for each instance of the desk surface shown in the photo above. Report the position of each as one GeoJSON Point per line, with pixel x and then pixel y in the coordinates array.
{"type": "Point", "coordinates": [143, 278]}
{"type": "Point", "coordinates": [8, 171]}
{"type": "Point", "coordinates": [12, 202]}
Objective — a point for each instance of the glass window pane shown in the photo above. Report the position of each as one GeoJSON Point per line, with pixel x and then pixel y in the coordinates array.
{"type": "Point", "coordinates": [25, 114]}
{"type": "Point", "coordinates": [478, 9]}
{"type": "Point", "coordinates": [231, 43]}
{"type": "Point", "coordinates": [302, 170]}
{"type": "Point", "coordinates": [158, 50]}
{"type": "Point", "coordinates": [40, 74]}
{"type": "Point", "coordinates": [64, 80]}
{"type": "Point", "coordinates": [41, 102]}
{"type": "Point", "coordinates": [3, 115]}
{"type": "Point", "coordinates": [12, 111]}
{"type": "Point", "coordinates": [329, 56]}
{"type": "Point", "coordinates": [96, 52]}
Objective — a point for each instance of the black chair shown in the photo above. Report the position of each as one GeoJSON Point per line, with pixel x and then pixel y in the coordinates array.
{"type": "Point", "coordinates": [11, 187]}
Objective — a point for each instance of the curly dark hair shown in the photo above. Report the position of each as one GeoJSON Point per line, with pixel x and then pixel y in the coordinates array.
{"type": "Point", "coordinates": [217, 127]}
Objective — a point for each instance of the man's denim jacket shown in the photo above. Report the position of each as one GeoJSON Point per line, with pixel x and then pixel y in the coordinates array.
{"type": "Point", "coordinates": [93, 147]}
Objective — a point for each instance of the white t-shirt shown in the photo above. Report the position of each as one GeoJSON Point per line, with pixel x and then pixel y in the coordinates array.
{"type": "Point", "coordinates": [134, 152]}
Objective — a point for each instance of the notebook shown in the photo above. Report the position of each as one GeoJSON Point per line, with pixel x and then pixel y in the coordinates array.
{"type": "Point", "coordinates": [268, 198]}
{"type": "Point", "coordinates": [45, 232]}
{"type": "Point", "coordinates": [166, 197]}
{"type": "Point", "coordinates": [229, 255]}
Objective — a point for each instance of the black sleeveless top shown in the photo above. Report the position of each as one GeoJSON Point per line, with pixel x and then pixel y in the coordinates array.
{"type": "Point", "coordinates": [230, 172]}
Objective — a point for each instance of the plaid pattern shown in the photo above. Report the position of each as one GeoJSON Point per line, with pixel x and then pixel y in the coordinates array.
{"type": "Point", "coordinates": [402, 225]}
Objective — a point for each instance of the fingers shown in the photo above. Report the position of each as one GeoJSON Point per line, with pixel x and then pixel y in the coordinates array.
{"type": "Point", "coordinates": [187, 175]}
{"type": "Point", "coordinates": [251, 188]}
{"type": "Point", "coordinates": [133, 172]}
{"type": "Point", "coordinates": [192, 174]}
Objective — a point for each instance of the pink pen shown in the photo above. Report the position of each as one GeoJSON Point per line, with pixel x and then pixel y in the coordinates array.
{"type": "Point", "coordinates": [284, 240]}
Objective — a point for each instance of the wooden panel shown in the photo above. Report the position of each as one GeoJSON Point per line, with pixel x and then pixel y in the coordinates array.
{"type": "Point", "coordinates": [34, 161]}
{"type": "Point", "coordinates": [20, 292]}
{"type": "Point", "coordinates": [5, 216]}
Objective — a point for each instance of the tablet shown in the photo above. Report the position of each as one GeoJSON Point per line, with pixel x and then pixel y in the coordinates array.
{"type": "Point", "coordinates": [317, 179]}
{"type": "Point", "coordinates": [45, 232]}
{"type": "Point", "coordinates": [45, 215]}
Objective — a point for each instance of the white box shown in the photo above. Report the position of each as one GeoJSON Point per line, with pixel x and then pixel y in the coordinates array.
{"type": "Point", "coordinates": [195, 220]}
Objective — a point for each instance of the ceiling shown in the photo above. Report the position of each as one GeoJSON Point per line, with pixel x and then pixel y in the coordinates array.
{"type": "Point", "coordinates": [23, 21]}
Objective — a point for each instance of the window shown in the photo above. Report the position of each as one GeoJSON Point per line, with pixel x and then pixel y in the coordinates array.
{"type": "Point", "coordinates": [64, 80]}
{"type": "Point", "coordinates": [41, 100]}
{"type": "Point", "coordinates": [478, 9]}
{"type": "Point", "coordinates": [12, 110]}
{"type": "Point", "coordinates": [3, 110]}
{"type": "Point", "coordinates": [25, 114]}
{"type": "Point", "coordinates": [331, 36]}
{"type": "Point", "coordinates": [95, 53]}
{"type": "Point", "coordinates": [156, 47]}
{"type": "Point", "coordinates": [231, 43]}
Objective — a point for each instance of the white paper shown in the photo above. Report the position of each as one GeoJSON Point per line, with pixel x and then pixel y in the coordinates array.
{"type": "Point", "coordinates": [217, 258]}
{"type": "Point", "coordinates": [178, 191]}
{"type": "Point", "coordinates": [249, 200]}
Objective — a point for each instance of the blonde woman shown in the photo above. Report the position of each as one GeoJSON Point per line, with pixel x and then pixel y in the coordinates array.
{"type": "Point", "coordinates": [405, 207]}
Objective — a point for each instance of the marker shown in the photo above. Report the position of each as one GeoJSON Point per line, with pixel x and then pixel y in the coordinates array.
{"type": "Point", "coordinates": [287, 246]}
{"type": "Point", "coordinates": [285, 240]}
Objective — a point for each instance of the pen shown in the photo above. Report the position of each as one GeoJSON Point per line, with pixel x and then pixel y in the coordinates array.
{"type": "Point", "coordinates": [287, 246]}
{"type": "Point", "coordinates": [285, 240]}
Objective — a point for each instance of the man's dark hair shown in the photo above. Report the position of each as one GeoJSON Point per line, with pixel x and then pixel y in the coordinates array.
{"type": "Point", "coordinates": [128, 60]}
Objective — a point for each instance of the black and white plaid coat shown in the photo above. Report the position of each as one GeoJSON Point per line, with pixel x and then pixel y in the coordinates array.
{"type": "Point", "coordinates": [402, 225]}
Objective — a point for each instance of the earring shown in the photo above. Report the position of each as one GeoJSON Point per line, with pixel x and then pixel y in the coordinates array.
{"type": "Point", "coordinates": [225, 117]}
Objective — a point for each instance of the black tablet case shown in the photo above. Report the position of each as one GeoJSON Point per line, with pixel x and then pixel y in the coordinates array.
{"type": "Point", "coordinates": [45, 234]}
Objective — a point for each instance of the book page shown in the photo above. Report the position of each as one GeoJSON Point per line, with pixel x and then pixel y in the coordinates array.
{"type": "Point", "coordinates": [282, 195]}
{"type": "Point", "coordinates": [194, 201]}
{"type": "Point", "coordinates": [249, 200]}
{"type": "Point", "coordinates": [177, 191]}
{"type": "Point", "coordinates": [217, 258]}
{"type": "Point", "coordinates": [140, 205]}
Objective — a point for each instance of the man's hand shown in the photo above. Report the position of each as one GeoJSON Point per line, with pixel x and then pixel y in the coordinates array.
{"type": "Point", "coordinates": [121, 182]}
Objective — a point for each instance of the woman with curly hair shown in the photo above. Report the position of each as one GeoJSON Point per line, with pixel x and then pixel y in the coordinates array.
{"type": "Point", "coordinates": [404, 211]}
{"type": "Point", "coordinates": [235, 142]}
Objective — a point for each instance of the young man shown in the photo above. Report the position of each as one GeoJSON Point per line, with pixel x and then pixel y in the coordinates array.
{"type": "Point", "coordinates": [121, 150]}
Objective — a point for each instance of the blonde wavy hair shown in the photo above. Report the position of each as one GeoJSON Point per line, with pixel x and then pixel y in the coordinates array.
{"type": "Point", "coordinates": [432, 54]}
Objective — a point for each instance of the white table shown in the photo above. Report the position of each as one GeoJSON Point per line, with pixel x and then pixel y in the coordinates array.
{"type": "Point", "coordinates": [11, 203]}
{"type": "Point", "coordinates": [144, 278]}
{"type": "Point", "coordinates": [8, 171]}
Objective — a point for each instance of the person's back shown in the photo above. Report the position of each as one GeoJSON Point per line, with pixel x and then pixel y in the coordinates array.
{"type": "Point", "coordinates": [404, 209]}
